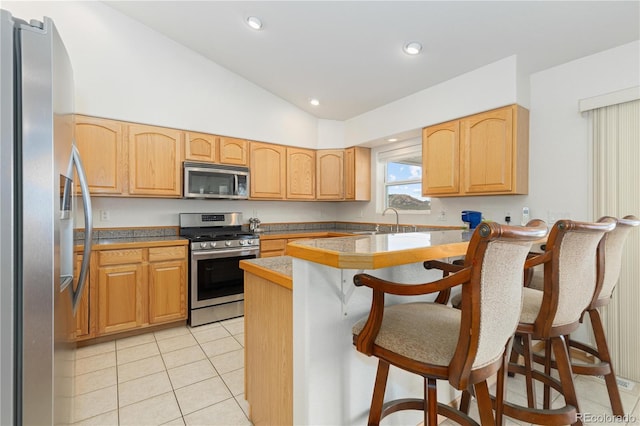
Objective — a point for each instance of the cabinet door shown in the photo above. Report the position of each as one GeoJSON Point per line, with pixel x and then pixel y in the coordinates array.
{"type": "Point", "coordinates": [301, 174]}
{"type": "Point", "coordinates": [488, 151]}
{"type": "Point", "coordinates": [82, 330]}
{"type": "Point", "coordinates": [268, 168]}
{"type": "Point", "coordinates": [441, 159]}
{"type": "Point", "coordinates": [330, 172]}
{"type": "Point", "coordinates": [272, 248]}
{"type": "Point", "coordinates": [100, 143]}
{"type": "Point", "coordinates": [155, 161]}
{"type": "Point", "coordinates": [120, 297]}
{"type": "Point", "coordinates": [357, 174]}
{"type": "Point", "coordinates": [167, 291]}
{"type": "Point", "coordinates": [200, 147]}
{"type": "Point", "coordinates": [233, 151]}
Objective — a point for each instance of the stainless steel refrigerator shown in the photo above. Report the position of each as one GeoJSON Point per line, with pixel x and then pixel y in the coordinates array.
{"type": "Point", "coordinates": [38, 169]}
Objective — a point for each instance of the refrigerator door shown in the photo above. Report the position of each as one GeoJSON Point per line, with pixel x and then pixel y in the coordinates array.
{"type": "Point", "coordinates": [7, 224]}
{"type": "Point", "coordinates": [46, 356]}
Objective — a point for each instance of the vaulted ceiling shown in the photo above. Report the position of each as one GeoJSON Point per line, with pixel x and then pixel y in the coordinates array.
{"type": "Point", "coordinates": [348, 54]}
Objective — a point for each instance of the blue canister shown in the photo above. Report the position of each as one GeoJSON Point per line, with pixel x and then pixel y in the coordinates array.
{"type": "Point", "coordinates": [473, 218]}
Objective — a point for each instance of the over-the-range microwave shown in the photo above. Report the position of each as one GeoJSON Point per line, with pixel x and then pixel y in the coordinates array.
{"type": "Point", "coordinates": [204, 180]}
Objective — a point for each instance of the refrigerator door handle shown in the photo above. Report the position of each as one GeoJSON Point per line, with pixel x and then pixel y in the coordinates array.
{"type": "Point", "coordinates": [88, 228]}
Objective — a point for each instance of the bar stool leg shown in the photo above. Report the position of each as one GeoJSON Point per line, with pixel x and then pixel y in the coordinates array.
{"type": "Point", "coordinates": [563, 363]}
{"type": "Point", "coordinates": [378, 393]}
{"type": "Point", "coordinates": [547, 371]}
{"type": "Point", "coordinates": [431, 403]}
{"type": "Point", "coordinates": [605, 357]}
{"type": "Point", "coordinates": [528, 362]}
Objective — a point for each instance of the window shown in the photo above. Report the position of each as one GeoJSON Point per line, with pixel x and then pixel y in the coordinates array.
{"type": "Point", "coordinates": [403, 179]}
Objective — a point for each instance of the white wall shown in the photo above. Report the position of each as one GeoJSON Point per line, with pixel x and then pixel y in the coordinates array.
{"type": "Point", "coordinates": [559, 153]}
{"type": "Point", "coordinates": [124, 70]}
{"type": "Point", "coordinates": [560, 159]}
{"type": "Point", "coordinates": [488, 87]}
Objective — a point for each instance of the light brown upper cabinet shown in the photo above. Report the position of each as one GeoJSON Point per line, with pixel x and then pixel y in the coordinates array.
{"type": "Point", "coordinates": [268, 170]}
{"type": "Point", "coordinates": [200, 147]}
{"type": "Point", "coordinates": [101, 146]}
{"type": "Point", "coordinates": [233, 151]}
{"type": "Point", "coordinates": [301, 174]}
{"type": "Point", "coordinates": [155, 161]}
{"type": "Point", "coordinates": [441, 159]}
{"type": "Point", "coordinates": [492, 155]}
{"type": "Point", "coordinates": [357, 174]}
{"type": "Point", "coordinates": [330, 174]}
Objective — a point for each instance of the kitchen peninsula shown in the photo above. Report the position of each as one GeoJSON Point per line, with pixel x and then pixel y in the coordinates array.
{"type": "Point", "coordinates": [300, 366]}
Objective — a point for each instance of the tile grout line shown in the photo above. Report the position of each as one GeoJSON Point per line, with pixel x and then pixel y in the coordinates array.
{"type": "Point", "coordinates": [173, 390]}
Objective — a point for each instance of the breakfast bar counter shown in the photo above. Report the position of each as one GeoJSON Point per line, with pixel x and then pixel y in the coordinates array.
{"type": "Point", "coordinates": [300, 365]}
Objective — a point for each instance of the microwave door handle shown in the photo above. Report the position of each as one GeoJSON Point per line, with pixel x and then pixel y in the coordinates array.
{"type": "Point", "coordinates": [88, 224]}
{"type": "Point", "coordinates": [236, 189]}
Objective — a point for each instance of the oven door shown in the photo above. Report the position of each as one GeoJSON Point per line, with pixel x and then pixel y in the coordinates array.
{"type": "Point", "coordinates": [216, 276]}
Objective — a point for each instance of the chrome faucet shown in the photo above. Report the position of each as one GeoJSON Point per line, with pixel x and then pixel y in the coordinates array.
{"type": "Point", "coordinates": [397, 218]}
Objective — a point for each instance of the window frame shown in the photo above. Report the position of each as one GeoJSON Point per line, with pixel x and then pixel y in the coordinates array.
{"type": "Point", "coordinates": [392, 154]}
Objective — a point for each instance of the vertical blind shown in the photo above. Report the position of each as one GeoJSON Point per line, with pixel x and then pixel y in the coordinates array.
{"type": "Point", "coordinates": [616, 172]}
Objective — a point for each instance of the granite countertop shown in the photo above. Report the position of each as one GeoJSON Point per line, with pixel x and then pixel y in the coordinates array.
{"type": "Point", "coordinates": [381, 250]}
{"type": "Point", "coordinates": [303, 232]}
{"type": "Point", "coordinates": [276, 269]}
{"type": "Point", "coordinates": [361, 252]}
{"type": "Point", "coordinates": [132, 242]}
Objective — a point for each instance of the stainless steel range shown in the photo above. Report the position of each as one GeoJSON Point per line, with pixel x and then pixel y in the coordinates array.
{"type": "Point", "coordinates": [216, 282]}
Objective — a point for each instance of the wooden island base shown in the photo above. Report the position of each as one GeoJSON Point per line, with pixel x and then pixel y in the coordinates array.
{"type": "Point", "coordinates": [268, 351]}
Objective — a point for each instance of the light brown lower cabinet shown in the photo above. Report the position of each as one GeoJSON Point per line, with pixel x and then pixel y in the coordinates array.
{"type": "Point", "coordinates": [132, 288]}
{"type": "Point", "coordinates": [121, 290]}
{"type": "Point", "coordinates": [167, 284]}
{"type": "Point", "coordinates": [83, 328]}
{"type": "Point", "coordinates": [272, 248]}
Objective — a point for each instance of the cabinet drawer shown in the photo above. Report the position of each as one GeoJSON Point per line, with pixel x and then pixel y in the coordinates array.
{"type": "Point", "coordinates": [157, 254]}
{"type": "Point", "coordinates": [272, 245]}
{"type": "Point", "coordinates": [119, 257]}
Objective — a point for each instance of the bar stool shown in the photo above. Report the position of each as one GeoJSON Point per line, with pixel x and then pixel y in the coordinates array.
{"type": "Point", "coordinates": [464, 346]}
{"type": "Point", "coordinates": [570, 262]}
{"type": "Point", "coordinates": [611, 262]}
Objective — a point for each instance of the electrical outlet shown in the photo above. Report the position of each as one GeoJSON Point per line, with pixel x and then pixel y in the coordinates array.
{"type": "Point", "coordinates": [507, 217]}
{"type": "Point", "coordinates": [442, 217]}
{"type": "Point", "coordinates": [105, 215]}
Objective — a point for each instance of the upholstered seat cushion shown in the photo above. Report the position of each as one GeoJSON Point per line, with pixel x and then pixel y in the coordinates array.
{"type": "Point", "coordinates": [531, 302]}
{"type": "Point", "coordinates": [426, 332]}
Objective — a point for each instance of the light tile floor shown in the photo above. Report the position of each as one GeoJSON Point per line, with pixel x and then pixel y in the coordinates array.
{"type": "Point", "coordinates": [177, 376]}
{"type": "Point", "coordinates": [195, 376]}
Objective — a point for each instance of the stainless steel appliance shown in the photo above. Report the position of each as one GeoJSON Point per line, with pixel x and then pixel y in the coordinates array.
{"type": "Point", "coordinates": [203, 180]}
{"type": "Point", "coordinates": [216, 282]}
{"type": "Point", "coordinates": [38, 162]}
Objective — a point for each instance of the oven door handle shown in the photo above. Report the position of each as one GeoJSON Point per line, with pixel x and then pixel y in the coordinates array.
{"type": "Point", "coordinates": [224, 253]}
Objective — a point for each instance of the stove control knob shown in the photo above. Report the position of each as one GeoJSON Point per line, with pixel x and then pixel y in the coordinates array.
{"type": "Point", "coordinates": [214, 244]}
{"type": "Point", "coordinates": [227, 243]}
{"type": "Point", "coordinates": [203, 245]}
{"type": "Point", "coordinates": [243, 242]}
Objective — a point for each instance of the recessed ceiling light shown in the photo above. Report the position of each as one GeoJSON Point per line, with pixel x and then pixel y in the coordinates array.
{"type": "Point", "coordinates": [254, 22]}
{"type": "Point", "coordinates": [314, 102]}
{"type": "Point", "coordinates": [412, 48]}
{"type": "Point", "coordinates": [392, 140]}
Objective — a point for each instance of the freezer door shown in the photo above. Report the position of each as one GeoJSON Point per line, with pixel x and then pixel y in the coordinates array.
{"type": "Point", "coordinates": [47, 358]}
{"type": "Point", "coordinates": [7, 224]}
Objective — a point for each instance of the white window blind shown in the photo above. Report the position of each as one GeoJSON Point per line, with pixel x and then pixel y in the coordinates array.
{"type": "Point", "coordinates": [616, 171]}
